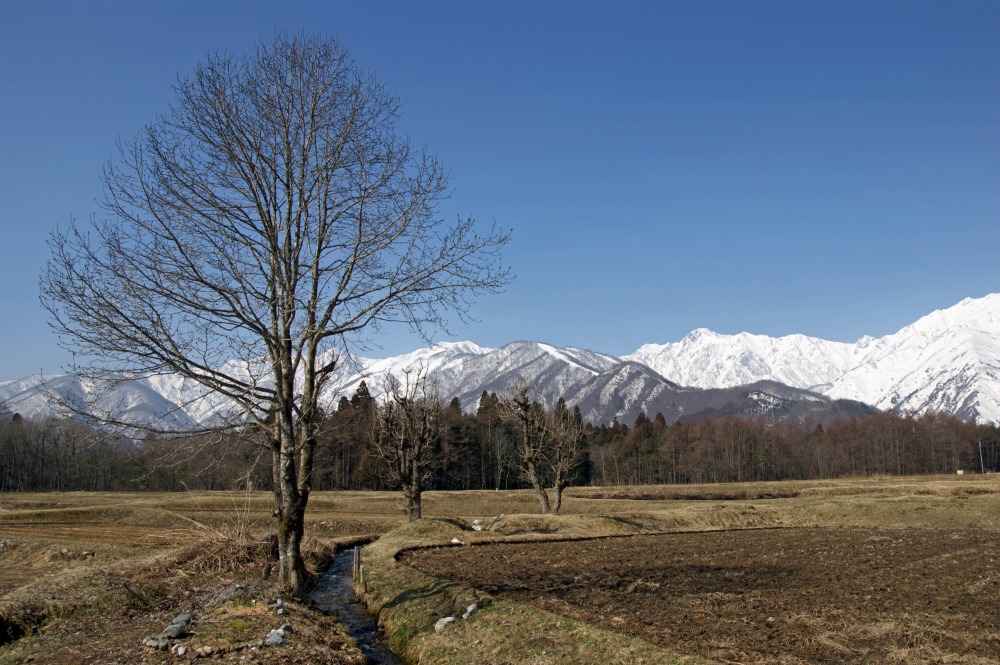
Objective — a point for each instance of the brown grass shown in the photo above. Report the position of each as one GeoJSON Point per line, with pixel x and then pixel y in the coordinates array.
{"type": "Point", "coordinates": [154, 552]}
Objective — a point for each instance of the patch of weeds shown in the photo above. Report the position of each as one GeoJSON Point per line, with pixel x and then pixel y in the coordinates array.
{"type": "Point", "coordinates": [238, 629]}
{"type": "Point", "coordinates": [399, 638]}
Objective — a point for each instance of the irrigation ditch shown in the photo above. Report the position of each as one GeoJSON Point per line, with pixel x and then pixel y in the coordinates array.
{"type": "Point", "coordinates": [334, 595]}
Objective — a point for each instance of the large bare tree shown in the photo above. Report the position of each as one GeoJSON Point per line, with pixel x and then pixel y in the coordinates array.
{"type": "Point", "coordinates": [266, 223]}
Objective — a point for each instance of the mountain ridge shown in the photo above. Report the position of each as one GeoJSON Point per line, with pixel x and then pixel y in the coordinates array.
{"type": "Point", "coordinates": [948, 360]}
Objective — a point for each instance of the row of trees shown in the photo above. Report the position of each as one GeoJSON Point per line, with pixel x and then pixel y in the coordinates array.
{"type": "Point", "coordinates": [732, 449]}
{"type": "Point", "coordinates": [414, 441]}
{"type": "Point", "coordinates": [65, 455]}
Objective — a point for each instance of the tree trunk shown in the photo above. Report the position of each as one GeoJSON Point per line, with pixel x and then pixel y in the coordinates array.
{"type": "Point", "coordinates": [557, 504]}
{"type": "Point", "coordinates": [291, 509]}
{"type": "Point", "coordinates": [536, 482]}
{"type": "Point", "coordinates": [292, 565]}
{"type": "Point", "coordinates": [412, 502]}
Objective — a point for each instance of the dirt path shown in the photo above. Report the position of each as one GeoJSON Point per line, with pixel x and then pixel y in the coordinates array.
{"type": "Point", "coordinates": [763, 596]}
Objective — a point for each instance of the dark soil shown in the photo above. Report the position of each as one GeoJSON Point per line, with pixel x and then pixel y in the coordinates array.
{"type": "Point", "coordinates": [762, 596]}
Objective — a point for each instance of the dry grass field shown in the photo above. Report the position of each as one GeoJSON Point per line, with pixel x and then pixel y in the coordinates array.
{"type": "Point", "coordinates": [95, 573]}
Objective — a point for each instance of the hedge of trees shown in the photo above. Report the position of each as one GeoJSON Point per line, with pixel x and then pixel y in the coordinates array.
{"type": "Point", "coordinates": [483, 449]}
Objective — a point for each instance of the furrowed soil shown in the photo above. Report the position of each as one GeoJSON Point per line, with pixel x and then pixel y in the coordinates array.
{"type": "Point", "coordinates": [788, 595]}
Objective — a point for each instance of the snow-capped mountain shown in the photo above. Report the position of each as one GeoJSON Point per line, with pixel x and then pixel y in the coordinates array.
{"type": "Point", "coordinates": [710, 360]}
{"type": "Point", "coordinates": [604, 387]}
{"type": "Point", "coordinates": [465, 370]}
{"type": "Point", "coordinates": [947, 361]}
{"type": "Point", "coordinates": [133, 401]}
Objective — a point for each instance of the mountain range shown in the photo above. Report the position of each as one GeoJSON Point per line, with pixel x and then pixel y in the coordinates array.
{"type": "Point", "coordinates": [947, 361]}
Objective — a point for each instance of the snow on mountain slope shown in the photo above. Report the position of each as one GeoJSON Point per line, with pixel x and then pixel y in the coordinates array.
{"type": "Point", "coordinates": [465, 370]}
{"type": "Point", "coordinates": [706, 359]}
{"type": "Point", "coordinates": [947, 361]}
{"type": "Point", "coordinates": [134, 401]}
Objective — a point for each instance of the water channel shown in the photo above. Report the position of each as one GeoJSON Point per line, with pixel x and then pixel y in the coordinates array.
{"type": "Point", "coordinates": [334, 594]}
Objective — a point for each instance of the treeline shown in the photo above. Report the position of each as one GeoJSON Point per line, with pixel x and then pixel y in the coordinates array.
{"type": "Point", "coordinates": [65, 455]}
{"type": "Point", "coordinates": [480, 450]}
{"type": "Point", "coordinates": [732, 449]}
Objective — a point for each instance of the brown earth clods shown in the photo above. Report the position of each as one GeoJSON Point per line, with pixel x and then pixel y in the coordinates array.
{"type": "Point", "coordinates": [803, 595]}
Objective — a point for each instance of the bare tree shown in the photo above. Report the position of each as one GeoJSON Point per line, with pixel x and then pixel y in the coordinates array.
{"type": "Point", "coordinates": [266, 224]}
{"type": "Point", "coordinates": [529, 419]}
{"type": "Point", "coordinates": [549, 446]}
{"type": "Point", "coordinates": [566, 444]}
{"type": "Point", "coordinates": [405, 430]}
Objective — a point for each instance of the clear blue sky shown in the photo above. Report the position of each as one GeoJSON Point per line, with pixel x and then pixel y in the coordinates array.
{"type": "Point", "coordinates": [827, 168]}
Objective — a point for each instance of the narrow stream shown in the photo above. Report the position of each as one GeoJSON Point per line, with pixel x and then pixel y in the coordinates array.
{"type": "Point", "coordinates": [334, 594]}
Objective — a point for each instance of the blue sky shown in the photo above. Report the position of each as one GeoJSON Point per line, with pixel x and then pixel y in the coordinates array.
{"type": "Point", "coordinates": [826, 168]}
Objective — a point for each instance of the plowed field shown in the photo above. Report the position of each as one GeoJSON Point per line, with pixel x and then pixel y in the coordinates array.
{"type": "Point", "coordinates": [806, 595]}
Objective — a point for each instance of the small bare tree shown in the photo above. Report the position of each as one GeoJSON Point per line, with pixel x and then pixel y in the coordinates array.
{"type": "Point", "coordinates": [566, 442]}
{"type": "Point", "coordinates": [549, 446]}
{"type": "Point", "coordinates": [529, 419]}
{"type": "Point", "coordinates": [405, 430]}
{"type": "Point", "coordinates": [264, 225]}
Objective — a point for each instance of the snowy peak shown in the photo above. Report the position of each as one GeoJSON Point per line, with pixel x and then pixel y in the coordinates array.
{"type": "Point", "coordinates": [465, 370]}
{"type": "Point", "coordinates": [131, 402]}
{"type": "Point", "coordinates": [712, 360]}
{"type": "Point", "coordinates": [948, 360]}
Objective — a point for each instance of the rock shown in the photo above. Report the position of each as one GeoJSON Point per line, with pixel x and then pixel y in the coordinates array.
{"type": "Point", "coordinates": [174, 630]}
{"type": "Point", "coordinates": [456, 541]}
{"type": "Point", "coordinates": [87, 554]}
{"type": "Point", "coordinates": [281, 611]}
{"type": "Point", "coordinates": [469, 610]}
{"type": "Point", "coordinates": [219, 596]}
{"type": "Point", "coordinates": [441, 623]}
{"type": "Point", "coordinates": [181, 650]}
{"type": "Point", "coordinates": [159, 643]}
{"type": "Point", "coordinates": [275, 637]}
{"type": "Point", "coordinates": [287, 628]}
{"type": "Point", "coordinates": [183, 618]}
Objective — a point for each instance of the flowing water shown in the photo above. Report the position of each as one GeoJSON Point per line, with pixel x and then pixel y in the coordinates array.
{"type": "Point", "coordinates": [334, 594]}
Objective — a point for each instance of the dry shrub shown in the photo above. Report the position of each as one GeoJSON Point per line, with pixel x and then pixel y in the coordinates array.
{"type": "Point", "coordinates": [222, 553]}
